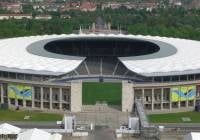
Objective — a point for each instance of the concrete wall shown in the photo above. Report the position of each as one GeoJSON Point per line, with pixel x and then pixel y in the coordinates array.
{"type": "Point", "coordinates": [127, 96]}
{"type": "Point", "coordinates": [76, 96]}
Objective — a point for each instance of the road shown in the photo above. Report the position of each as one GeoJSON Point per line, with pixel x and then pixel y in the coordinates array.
{"type": "Point", "coordinates": [29, 124]}
{"type": "Point", "coordinates": [184, 127]}
{"type": "Point", "coordinates": [178, 125]}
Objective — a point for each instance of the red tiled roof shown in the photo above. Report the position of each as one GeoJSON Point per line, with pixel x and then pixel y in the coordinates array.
{"type": "Point", "coordinates": [15, 14]}
{"type": "Point", "coordinates": [88, 5]}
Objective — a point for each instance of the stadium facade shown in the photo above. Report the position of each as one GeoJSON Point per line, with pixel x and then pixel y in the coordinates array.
{"type": "Point", "coordinates": [46, 72]}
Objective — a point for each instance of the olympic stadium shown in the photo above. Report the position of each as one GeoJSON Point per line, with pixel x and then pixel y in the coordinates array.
{"type": "Point", "coordinates": [48, 72]}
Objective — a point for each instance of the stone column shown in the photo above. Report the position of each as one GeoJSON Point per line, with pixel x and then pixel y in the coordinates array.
{"type": "Point", "coordinates": [33, 97]}
{"type": "Point", "coordinates": [161, 103]}
{"type": "Point", "coordinates": [194, 102]}
{"type": "Point", "coordinates": [9, 103]}
{"type": "Point", "coordinates": [170, 102]}
{"type": "Point", "coordinates": [60, 98]}
{"type": "Point", "coordinates": [127, 96]}
{"type": "Point", "coordinates": [179, 103]}
{"type": "Point", "coordinates": [143, 98]}
{"type": "Point", "coordinates": [76, 96]}
{"type": "Point", "coordinates": [41, 98]}
{"type": "Point", "coordinates": [2, 94]}
{"type": "Point", "coordinates": [8, 99]}
{"type": "Point", "coordinates": [24, 102]}
{"type": "Point", "coordinates": [16, 102]}
{"type": "Point", "coordinates": [187, 103]}
{"type": "Point", "coordinates": [170, 106]}
{"type": "Point", "coordinates": [152, 99]}
{"type": "Point", "coordinates": [50, 98]}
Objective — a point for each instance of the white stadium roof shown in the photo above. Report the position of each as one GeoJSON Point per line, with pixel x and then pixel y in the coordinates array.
{"type": "Point", "coordinates": [13, 54]}
{"type": "Point", "coordinates": [15, 57]}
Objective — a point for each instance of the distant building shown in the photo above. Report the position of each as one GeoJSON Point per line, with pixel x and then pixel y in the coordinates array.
{"type": "Point", "coordinates": [112, 5]}
{"type": "Point", "coordinates": [15, 16]}
{"type": "Point", "coordinates": [88, 6]}
{"type": "Point", "coordinates": [65, 16]}
{"type": "Point", "coordinates": [44, 17]}
{"type": "Point", "coordinates": [77, 5]}
{"type": "Point", "coordinates": [51, 7]}
{"type": "Point", "coordinates": [100, 26]}
{"type": "Point", "coordinates": [70, 6]}
{"type": "Point", "coordinates": [12, 7]}
{"type": "Point", "coordinates": [129, 5]}
{"type": "Point", "coordinates": [176, 3]}
{"type": "Point", "coordinates": [194, 4]}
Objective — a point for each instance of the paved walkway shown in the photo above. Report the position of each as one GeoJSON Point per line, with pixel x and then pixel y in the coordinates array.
{"type": "Point", "coordinates": [100, 133]}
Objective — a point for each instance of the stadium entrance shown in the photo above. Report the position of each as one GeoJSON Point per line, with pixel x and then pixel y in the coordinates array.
{"type": "Point", "coordinates": [94, 93]}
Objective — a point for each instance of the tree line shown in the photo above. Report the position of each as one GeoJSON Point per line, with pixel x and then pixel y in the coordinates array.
{"type": "Point", "coordinates": [170, 22]}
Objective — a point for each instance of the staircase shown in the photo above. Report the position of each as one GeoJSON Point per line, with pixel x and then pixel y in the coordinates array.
{"type": "Point", "coordinates": [100, 107]}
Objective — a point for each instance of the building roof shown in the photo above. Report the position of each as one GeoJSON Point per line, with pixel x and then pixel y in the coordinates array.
{"type": "Point", "coordinates": [186, 60]}
{"type": "Point", "coordinates": [192, 136]}
{"type": "Point", "coordinates": [6, 129]}
{"type": "Point", "coordinates": [176, 56]}
{"type": "Point", "coordinates": [37, 134]}
{"type": "Point", "coordinates": [14, 57]}
{"type": "Point", "coordinates": [15, 15]}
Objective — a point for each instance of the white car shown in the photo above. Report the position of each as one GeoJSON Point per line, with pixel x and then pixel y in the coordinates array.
{"type": "Point", "coordinates": [81, 128]}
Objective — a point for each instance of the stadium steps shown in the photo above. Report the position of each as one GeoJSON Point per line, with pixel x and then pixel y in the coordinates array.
{"type": "Point", "coordinates": [109, 66]}
{"type": "Point", "coordinates": [100, 108]}
{"type": "Point", "coordinates": [93, 65]}
{"type": "Point", "coordinates": [100, 66]}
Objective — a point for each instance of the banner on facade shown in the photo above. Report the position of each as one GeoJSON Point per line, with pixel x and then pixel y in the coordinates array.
{"type": "Point", "coordinates": [183, 93]}
{"type": "Point", "coordinates": [19, 92]}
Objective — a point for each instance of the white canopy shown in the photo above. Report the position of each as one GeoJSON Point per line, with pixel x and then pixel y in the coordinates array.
{"type": "Point", "coordinates": [192, 136]}
{"type": "Point", "coordinates": [6, 129]}
{"type": "Point", "coordinates": [56, 136]}
{"type": "Point", "coordinates": [37, 134]}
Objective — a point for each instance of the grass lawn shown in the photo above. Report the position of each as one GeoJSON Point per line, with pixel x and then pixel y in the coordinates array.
{"type": "Point", "coordinates": [109, 92]}
{"type": "Point", "coordinates": [175, 117]}
{"type": "Point", "coordinates": [9, 115]}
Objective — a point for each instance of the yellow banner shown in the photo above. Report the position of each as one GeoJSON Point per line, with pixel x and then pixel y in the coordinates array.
{"type": "Point", "coordinates": [19, 92]}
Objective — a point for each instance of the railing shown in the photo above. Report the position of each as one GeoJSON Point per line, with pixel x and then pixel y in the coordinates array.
{"type": "Point", "coordinates": [141, 113]}
{"type": "Point", "coordinates": [77, 77]}
{"type": "Point", "coordinates": [147, 131]}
